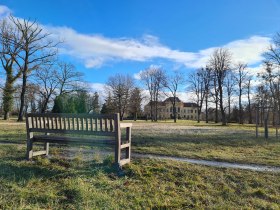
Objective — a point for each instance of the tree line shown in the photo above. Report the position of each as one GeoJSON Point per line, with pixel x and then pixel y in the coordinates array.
{"type": "Point", "coordinates": [36, 80]}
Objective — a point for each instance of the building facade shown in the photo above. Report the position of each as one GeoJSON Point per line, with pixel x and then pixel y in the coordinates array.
{"type": "Point", "coordinates": [165, 109]}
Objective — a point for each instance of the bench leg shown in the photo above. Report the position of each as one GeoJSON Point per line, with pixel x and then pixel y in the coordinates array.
{"type": "Point", "coordinates": [128, 138]}
{"type": "Point", "coordinates": [46, 147]}
{"type": "Point", "coordinates": [29, 154]}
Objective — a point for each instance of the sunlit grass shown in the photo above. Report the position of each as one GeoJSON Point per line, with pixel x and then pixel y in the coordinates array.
{"type": "Point", "coordinates": [82, 183]}
{"type": "Point", "coordinates": [59, 183]}
{"type": "Point", "coordinates": [233, 143]}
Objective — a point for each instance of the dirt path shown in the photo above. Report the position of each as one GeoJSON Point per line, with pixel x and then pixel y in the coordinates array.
{"type": "Point", "coordinates": [252, 167]}
{"type": "Point", "coordinates": [88, 154]}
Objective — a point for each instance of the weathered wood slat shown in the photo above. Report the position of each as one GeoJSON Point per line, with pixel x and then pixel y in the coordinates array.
{"type": "Point", "coordinates": [111, 125]}
{"type": "Point", "coordinates": [100, 124]}
{"type": "Point", "coordinates": [65, 139]}
{"type": "Point", "coordinates": [32, 122]}
{"type": "Point", "coordinates": [86, 124]}
{"type": "Point", "coordinates": [68, 120]}
{"type": "Point", "coordinates": [106, 125]}
{"type": "Point", "coordinates": [125, 145]}
{"type": "Point", "coordinates": [39, 153]}
{"type": "Point", "coordinates": [62, 131]}
{"type": "Point", "coordinates": [96, 124]}
{"type": "Point", "coordinates": [60, 123]}
{"type": "Point", "coordinates": [55, 119]}
{"type": "Point", "coordinates": [125, 125]}
{"type": "Point", "coordinates": [64, 121]}
{"type": "Point", "coordinates": [44, 122]}
{"type": "Point", "coordinates": [36, 122]}
{"type": "Point", "coordinates": [109, 116]}
{"type": "Point", "coordinates": [124, 161]}
{"type": "Point", "coordinates": [91, 125]}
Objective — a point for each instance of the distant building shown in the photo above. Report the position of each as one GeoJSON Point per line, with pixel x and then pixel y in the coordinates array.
{"type": "Point", "coordinates": [165, 109]}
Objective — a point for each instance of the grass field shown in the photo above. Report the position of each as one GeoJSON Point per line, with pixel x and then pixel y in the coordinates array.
{"type": "Point", "coordinates": [59, 183]}
{"type": "Point", "coordinates": [233, 143]}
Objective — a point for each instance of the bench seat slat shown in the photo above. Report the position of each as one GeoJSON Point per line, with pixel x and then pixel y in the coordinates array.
{"type": "Point", "coordinates": [125, 125]}
{"type": "Point", "coordinates": [66, 139]}
{"type": "Point", "coordinates": [125, 145]}
{"type": "Point", "coordinates": [95, 133]}
{"type": "Point", "coordinates": [52, 115]}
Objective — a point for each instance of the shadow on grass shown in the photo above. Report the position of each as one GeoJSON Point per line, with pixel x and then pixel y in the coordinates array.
{"type": "Point", "coordinates": [232, 140]}
{"type": "Point", "coordinates": [17, 169]}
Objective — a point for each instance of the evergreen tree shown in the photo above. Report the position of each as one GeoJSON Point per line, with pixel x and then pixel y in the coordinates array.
{"type": "Point", "coordinates": [108, 107]}
{"type": "Point", "coordinates": [95, 107]}
{"type": "Point", "coordinates": [135, 103]}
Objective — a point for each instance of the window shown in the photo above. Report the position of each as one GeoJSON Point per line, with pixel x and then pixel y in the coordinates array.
{"type": "Point", "coordinates": [179, 109]}
{"type": "Point", "coordinates": [170, 109]}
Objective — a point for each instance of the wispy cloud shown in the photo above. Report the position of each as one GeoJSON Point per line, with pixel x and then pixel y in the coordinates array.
{"type": "Point", "coordinates": [4, 11]}
{"type": "Point", "coordinates": [97, 50]}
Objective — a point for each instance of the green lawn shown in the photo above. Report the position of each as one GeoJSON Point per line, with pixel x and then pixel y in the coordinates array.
{"type": "Point", "coordinates": [76, 184]}
{"type": "Point", "coordinates": [59, 183]}
{"type": "Point", "coordinates": [233, 143]}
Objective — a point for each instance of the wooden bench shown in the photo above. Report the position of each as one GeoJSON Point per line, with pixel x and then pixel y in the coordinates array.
{"type": "Point", "coordinates": [60, 128]}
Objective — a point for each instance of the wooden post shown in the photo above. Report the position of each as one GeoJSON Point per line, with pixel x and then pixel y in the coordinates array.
{"type": "Point", "coordinates": [47, 144]}
{"type": "Point", "coordinates": [117, 138]}
{"type": "Point", "coordinates": [128, 138]}
{"type": "Point", "coordinates": [29, 142]}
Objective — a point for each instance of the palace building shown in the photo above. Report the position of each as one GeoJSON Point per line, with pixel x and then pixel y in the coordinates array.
{"type": "Point", "coordinates": [165, 109]}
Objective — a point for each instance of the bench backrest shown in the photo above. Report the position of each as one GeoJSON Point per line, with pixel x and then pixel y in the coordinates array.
{"type": "Point", "coordinates": [86, 124]}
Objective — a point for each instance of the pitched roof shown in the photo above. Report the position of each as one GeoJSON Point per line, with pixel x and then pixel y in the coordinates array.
{"type": "Point", "coordinates": [190, 105]}
{"type": "Point", "coordinates": [170, 99]}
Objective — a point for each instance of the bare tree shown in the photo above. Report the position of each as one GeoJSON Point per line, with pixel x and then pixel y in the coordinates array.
{"type": "Point", "coordinates": [48, 83]}
{"type": "Point", "coordinates": [121, 86]}
{"type": "Point", "coordinates": [172, 84]}
{"type": "Point", "coordinates": [69, 78]}
{"type": "Point", "coordinates": [207, 77]}
{"type": "Point", "coordinates": [241, 77]}
{"type": "Point", "coordinates": [153, 78]}
{"type": "Point", "coordinates": [36, 50]}
{"type": "Point", "coordinates": [220, 63]}
{"type": "Point", "coordinates": [229, 84]}
{"type": "Point", "coordinates": [9, 50]}
{"type": "Point", "coordinates": [248, 88]}
{"type": "Point", "coordinates": [197, 86]}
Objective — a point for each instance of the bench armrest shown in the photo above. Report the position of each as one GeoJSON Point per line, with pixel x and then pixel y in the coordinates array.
{"type": "Point", "coordinates": [125, 125]}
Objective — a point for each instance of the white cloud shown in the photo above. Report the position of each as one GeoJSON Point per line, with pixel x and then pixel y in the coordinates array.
{"type": "Point", "coordinates": [4, 11]}
{"type": "Point", "coordinates": [96, 50]}
{"type": "Point", "coordinates": [98, 87]}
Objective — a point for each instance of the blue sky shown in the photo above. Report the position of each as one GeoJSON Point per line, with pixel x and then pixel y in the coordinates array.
{"type": "Point", "coordinates": [106, 37]}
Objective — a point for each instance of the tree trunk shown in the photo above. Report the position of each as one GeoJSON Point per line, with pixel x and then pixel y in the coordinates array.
{"type": "Point", "coordinates": [221, 104]}
{"type": "Point", "coordinates": [174, 109]}
{"type": "Point", "coordinates": [8, 97]}
{"type": "Point", "coordinates": [206, 108]}
{"type": "Point", "coordinates": [216, 112]}
{"type": "Point", "coordinates": [240, 107]}
{"type": "Point", "coordinates": [249, 108]}
{"type": "Point", "coordinates": [22, 97]}
{"type": "Point", "coordinates": [229, 108]}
